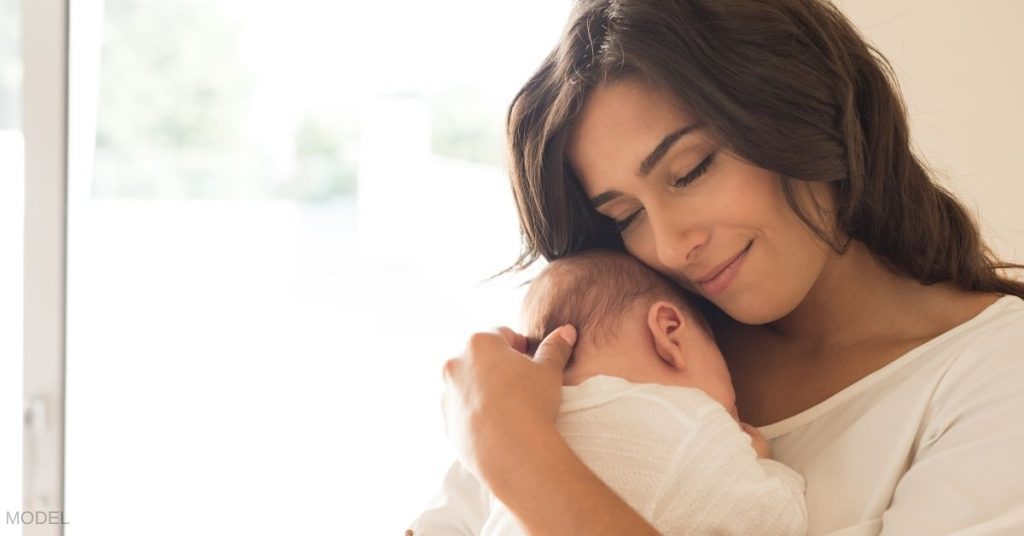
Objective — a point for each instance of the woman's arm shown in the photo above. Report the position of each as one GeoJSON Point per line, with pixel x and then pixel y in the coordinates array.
{"type": "Point", "coordinates": [459, 508]}
{"type": "Point", "coordinates": [500, 410]}
{"type": "Point", "coordinates": [551, 491]}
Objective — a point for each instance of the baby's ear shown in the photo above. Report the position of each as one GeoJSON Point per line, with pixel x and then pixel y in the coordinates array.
{"type": "Point", "coordinates": [667, 325]}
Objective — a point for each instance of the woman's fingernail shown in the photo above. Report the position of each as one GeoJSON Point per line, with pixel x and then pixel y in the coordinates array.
{"type": "Point", "coordinates": [568, 333]}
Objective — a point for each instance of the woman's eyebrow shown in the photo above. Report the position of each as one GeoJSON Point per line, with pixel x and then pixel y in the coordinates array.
{"type": "Point", "coordinates": [601, 199]}
{"type": "Point", "coordinates": [649, 162]}
{"type": "Point", "coordinates": [659, 152]}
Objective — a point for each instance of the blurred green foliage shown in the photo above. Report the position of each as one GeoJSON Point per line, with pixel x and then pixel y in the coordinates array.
{"type": "Point", "coordinates": [171, 77]}
{"type": "Point", "coordinates": [176, 115]}
{"type": "Point", "coordinates": [326, 150]}
{"type": "Point", "coordinates": [172, 104]}
{"type": "Point", "coordinates": [466, 125]}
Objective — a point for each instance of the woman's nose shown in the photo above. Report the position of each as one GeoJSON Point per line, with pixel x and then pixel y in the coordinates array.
{"type": "Point", "coordinates": [677, 243]}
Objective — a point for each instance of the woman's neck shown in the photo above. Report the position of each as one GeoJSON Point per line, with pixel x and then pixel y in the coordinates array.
{"type": "Point", "coordinates": [857, 298]}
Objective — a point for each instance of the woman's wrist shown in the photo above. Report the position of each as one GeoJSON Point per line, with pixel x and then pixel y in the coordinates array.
{"type": "Point", "coordinates": [550, 491]}
{"type": "Point", "coordinates": [502, 451]}
{"type": "Point", "coordinates": [518, 466]}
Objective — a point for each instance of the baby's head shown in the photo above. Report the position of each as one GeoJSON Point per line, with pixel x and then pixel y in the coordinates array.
{"type": "Point", "coordinates": [632, 322]}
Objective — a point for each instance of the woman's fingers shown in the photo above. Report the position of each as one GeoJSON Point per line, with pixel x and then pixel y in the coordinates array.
{"type": "Point", "coordinates": [514, 339]}
{"type": "Point", "coordinates": [449, 368]}
{"type": "Point", "coordinates": [494, 392]}
{"type": "Point", "coordinates": [556, 348]}
{"type": "Point", "coordinates": [757, 440]}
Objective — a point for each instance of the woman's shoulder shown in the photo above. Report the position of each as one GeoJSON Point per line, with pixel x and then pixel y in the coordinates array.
{"type": "Point", "coordinates": [974, 369]}
{"type": "Point", "coordinates": [1009, 307]}
{"type": "Point", "coordinates": [985, 357]}
{"type": "Point", "coordinates": [996, 328]}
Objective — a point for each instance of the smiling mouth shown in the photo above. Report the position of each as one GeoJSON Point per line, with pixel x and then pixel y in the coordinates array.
{"type": "Point", "coordinates": [722, 278]}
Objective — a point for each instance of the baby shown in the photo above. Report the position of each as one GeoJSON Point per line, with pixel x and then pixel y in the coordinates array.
{"type": "Point", "coordinates": [647, 405]}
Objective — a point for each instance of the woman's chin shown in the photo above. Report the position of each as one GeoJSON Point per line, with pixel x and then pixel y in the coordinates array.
{"type": "Point", "coordinates": [752, 313]}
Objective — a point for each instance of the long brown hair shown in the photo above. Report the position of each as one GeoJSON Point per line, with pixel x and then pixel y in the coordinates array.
{"type": "Point", "coordinates": [789, 85]}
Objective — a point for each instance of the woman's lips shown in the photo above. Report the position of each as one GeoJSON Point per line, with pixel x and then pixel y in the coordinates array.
{"type": "Point", "coordinates": [724, 277]}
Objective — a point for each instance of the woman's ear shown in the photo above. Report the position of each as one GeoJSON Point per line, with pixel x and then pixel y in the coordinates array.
{"type": "Point", "coordinates": [667, 326]}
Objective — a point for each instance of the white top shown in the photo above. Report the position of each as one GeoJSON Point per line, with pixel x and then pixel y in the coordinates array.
{"type": "Point", "coordinates": [677, 457]}
{"type": "Point", "coordinates": [929, 444]}
{"type": "Point", "coordinates": [932, 443]}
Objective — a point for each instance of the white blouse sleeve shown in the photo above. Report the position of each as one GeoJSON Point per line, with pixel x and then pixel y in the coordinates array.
{"type": "Point", "coordinates": [460, 507]}
{"type": "Point", "coordinates": [723, 488]}
{"type": "Point", "coordinates": [967, 475]}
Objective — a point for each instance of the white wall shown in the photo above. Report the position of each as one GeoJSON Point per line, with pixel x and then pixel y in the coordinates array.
{"type": "Point", "coordinates": [961, 67]}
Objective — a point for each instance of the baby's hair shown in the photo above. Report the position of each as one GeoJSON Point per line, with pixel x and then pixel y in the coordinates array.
{"type": "Point", "coordinates": [594, 290]}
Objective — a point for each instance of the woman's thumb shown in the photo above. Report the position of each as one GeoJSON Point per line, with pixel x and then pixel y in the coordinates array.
{"type": "Point", "coordinates": [556, 348]}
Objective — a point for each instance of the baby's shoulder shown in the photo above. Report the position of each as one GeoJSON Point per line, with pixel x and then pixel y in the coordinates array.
{"type": "Point", "coordinates": [673, 398]}
{"type": "Point", "coordinates": [672, 408]}
{"type": "Point", "coordinates": [648, 418]}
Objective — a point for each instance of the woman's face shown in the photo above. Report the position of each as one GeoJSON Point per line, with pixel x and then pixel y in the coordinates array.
{"type": "Point", "coordinates": [686, 207]}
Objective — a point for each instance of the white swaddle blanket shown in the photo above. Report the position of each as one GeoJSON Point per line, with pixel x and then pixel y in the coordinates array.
{"type": "Point", "coordinates": [677, 457]}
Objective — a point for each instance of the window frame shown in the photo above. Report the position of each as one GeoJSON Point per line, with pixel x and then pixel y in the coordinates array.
{"type": "Point", "coordinates": [45, 128]}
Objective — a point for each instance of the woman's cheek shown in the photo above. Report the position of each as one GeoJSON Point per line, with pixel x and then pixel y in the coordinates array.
{"type": "Point", "coordinates": [638, 243]}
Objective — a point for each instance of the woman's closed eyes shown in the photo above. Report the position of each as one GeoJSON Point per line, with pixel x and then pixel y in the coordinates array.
{"type": "Point", "coordinates": [681, 182]}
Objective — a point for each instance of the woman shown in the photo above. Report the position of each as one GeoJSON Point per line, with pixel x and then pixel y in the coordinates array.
{"type": "Point", "coordinates": [757, 153]}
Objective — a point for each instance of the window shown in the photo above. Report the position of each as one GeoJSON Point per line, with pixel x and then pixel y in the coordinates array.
{"type": "Point", "coordinates": [291, 212]}
{"type": "Point", "coordinates": [11, 228]}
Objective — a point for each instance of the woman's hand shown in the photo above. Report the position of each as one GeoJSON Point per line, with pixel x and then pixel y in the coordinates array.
{"type": "Point", "coordinates": [496, 397]}
{"type": "Point", "coordinates": [500, 408]}
{"type": "Point", "coordinates": [757, 440]}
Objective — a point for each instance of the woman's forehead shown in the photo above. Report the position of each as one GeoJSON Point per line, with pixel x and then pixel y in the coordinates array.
{"type": "Point", "coordinates": [618, 127]}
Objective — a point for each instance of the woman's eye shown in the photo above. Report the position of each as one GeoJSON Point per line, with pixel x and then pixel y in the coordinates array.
{"type": "Point", "coordinates": [621, 226]}
{"type": "Point", "coordinates": [696, 173]}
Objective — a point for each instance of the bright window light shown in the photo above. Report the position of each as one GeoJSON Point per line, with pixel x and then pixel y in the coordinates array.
{"type": "Point", "coordinates": [292, 210]}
